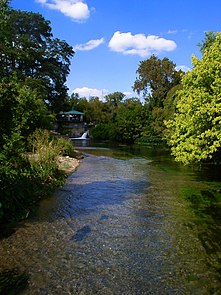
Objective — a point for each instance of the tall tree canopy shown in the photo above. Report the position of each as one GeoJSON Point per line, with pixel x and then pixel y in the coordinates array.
{"type": "Point", "coordinates": [21, 109]}
{"type": "Point", "coordinates": [155, 78]}
{"type": "Point", "coordinates": [115, 98]}
{"type": "Point", "coordinates": [195, 131]}
{"type": "Point", "coordinates": [210, 38]}
{"type": "Point", "coordinates": [29, 49]}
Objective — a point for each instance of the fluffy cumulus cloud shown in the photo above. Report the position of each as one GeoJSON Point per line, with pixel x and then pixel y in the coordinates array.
{"type": "Point", "coordinates": [89, 45]}
{"type": "Point", "coordinates": [75, 9]}
{"type": "Point", "coordinates": [139, 44]}
{"type": "Point", "coordinates": [88, 92]}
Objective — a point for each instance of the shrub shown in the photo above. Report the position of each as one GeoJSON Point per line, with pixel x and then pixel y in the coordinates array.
{"type": "Point", "coordinates": [27, 177]}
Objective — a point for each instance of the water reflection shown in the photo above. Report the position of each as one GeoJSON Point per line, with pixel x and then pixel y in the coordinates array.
{"type": "Point", "coordinates": [122, 224]}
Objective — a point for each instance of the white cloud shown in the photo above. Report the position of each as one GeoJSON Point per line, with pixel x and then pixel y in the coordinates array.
{"type": "Point", "coordinates": [172, 32]}
{"type": "Point", "coordinates": [128, 94]}
{"type": "Point", "coordinates": [89, 45]}
{"type": "Point", "coordinates": [75, 9]}
{"type": "Point", "coordinates": [183, 68]}
{"type": "Point", "coordinates": [88, 92]}
{"type": "Point", "coordinates": [139, 44]}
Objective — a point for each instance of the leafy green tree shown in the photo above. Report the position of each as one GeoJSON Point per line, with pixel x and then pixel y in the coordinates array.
{"type": "Point", "coordinates": [209, 39]}
{"type": "Point", "coordinates": [130, 120]}
{"type": "Point", "coordinates": [169, 104]}
{"type": "Point", "coordinates": [160, 114]}
{"type": "Point", "coordinates": [195, 133]}
{"type": "Point", "coordinates": [96, 113]}
{"type": "Point", "coordinates": [115, 98]}
{"type": "Point", "coordinates": [30, 50]}
{"type": "Point", "coordinates": [155, 78]}
{"type": "Point", "coordinates": [21, 110]}
{"type": "Point", "coordinates": [4, 13]}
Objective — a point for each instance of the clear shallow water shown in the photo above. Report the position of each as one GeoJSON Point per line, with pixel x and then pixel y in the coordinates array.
{"type": "Point", "coordinates": [118, 226]}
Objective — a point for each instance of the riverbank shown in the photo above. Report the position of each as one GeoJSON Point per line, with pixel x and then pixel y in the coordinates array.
{"type": "Point", "coordinates": [34, 174]}
{"type": "Point", "coordinates": [67, 164]}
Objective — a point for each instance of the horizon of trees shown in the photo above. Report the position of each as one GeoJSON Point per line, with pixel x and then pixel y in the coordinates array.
{"type": "Point", "coordinates": [183, 108]}
{"type": "Point", "coordinates": [33, 72]}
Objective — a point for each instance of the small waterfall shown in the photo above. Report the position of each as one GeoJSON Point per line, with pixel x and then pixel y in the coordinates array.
{"type": "Point", "coordinates": [83, 136]}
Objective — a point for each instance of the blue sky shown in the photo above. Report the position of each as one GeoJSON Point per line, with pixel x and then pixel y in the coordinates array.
{"type": "Point", "coordinates": [111, 37]}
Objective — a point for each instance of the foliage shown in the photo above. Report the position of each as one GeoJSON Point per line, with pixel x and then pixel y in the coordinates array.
{"type": "Point", "coordinates": [208, 41]}
{"type": "Point", "coordinates": [21, 109]}
{"type": "Point", "coordinates": [155, 78]}
{"type": "Point", "coordinates": [170, 103]}
{"type": "Point", "coordinates": [160, 114]}
{"type": "Point", "coordinates": [150, 140]}
{"type": "Point", "coordinates": [13, 177]}
{"type": "Point", "coordinates": [115, 98]}
{"type": "Point", "coordinates": [65, 146]}
{"type": "Point", "coordinates": [124, 123]}
{"type": "Point", "coordinates": [25, 178]}
{"type": "Point", "coordinates": [29, 49]}
{"type": "Point", "coordinates": [101, 131]}
{"type": "Point", "coordinates": [33, 70]}
{"type": "Point", "coordinates": [4, 13]}
{"type": "Point", "coordinates": [195, 133]}
{"type": "Point", "coordinates": [130, 120]}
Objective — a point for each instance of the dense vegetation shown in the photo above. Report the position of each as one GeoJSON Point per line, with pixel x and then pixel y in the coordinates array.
{"type": "Point", "coordinates": [182, 108]}
{"type": "Point", "coordinates": [195, 131]}
{"type": "Point", "coordinates": [33, 70]}
{"type": "Point", "coordinates": [127, 119]}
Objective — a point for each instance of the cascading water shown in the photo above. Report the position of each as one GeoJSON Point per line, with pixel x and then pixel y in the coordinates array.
{"type": "Point", "coordinates": [83, 136]}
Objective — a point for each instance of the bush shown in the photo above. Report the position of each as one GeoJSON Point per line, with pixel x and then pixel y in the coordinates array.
{"type": "Point", "coordinates": [101, 131]}
{"type": "Point", "coordinates": [27, 177]}
{"type": "Point", "coordinates": [66, 147]}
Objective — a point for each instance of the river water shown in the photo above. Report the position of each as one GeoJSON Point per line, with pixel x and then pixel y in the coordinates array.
{"type": "Point", "coordinates": [125, 223]}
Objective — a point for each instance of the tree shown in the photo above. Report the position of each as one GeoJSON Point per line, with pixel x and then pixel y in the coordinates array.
{"type": "Point", "coordinates": [195, 133]}
{"type": "Point", "coordinates": [115, 98]}
{"type": "Point", "coordinates": [30, 50]}
{"type": "Point", "coordinates": [208, 41]}
{"type": "Point", "coordinates": [21, 110]}
{"type": "Point", "coordinates": [130, 120]}
{"type": "Point", "coordinates": [4, 12]}
{"type": "Point", "coordinates": [155, 78]}
{"type": "Point", "coordinates": [159, 115]}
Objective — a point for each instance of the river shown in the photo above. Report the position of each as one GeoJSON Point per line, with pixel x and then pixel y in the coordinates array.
{"type": "Point", "coordinates": [128, 221]}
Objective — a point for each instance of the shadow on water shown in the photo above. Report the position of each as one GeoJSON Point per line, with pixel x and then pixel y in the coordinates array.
{"type": "Point", "coordinates": [6, 230]}
{"type": "Point", "coordinates": [75, 200]}
{"type": "Point", "coordinates": [81, 234]}
{"type": "Point", "coordinates": [12, 282]}
{"type": "Point", "coordinates": [206, 206]}
{"type": "Point", "coordinates": [130, 220]}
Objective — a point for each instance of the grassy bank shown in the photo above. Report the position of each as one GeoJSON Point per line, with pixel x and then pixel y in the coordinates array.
{"type": "Point", "coordinates": [28, 176]}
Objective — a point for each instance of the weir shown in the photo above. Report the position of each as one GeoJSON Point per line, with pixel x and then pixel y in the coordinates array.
{"type": "Point", "coordinates": [85, 135]}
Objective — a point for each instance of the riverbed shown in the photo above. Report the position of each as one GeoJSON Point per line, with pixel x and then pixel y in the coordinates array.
{"type": "Point", "coordinates": [124, 223]}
